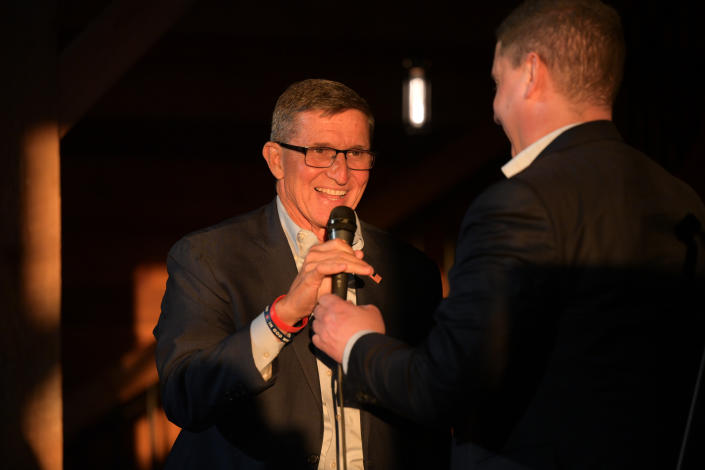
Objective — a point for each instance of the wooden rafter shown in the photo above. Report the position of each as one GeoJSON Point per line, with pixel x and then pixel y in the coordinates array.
{"type": "Point", "coordinates": [113, 43]}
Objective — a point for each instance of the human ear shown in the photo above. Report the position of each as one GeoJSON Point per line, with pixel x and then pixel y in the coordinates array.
{"type": "Point", "coordinates": [273, 155]}
{"type": "Point", "coordinates": [535, 70]}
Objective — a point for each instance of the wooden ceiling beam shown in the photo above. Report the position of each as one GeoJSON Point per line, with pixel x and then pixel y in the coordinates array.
{"type": "Point", "coordinates": [93, 62]}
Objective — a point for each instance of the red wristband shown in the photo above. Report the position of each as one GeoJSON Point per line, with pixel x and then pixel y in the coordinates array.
{"type": "Point", "coordinates": [280, 324]}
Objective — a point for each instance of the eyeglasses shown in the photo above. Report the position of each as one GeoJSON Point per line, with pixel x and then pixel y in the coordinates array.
{"type": "Point", "coordinates": [323, 157]}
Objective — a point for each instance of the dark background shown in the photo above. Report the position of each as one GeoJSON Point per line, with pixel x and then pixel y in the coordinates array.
{"type": "Point", "coordinates": [175, 145]}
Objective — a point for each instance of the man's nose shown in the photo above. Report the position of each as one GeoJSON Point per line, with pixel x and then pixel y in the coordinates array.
{"type": "Point", "coordinates": [339, 170]}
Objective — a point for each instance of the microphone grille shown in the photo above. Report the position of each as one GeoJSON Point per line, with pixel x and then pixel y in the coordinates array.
{"type": "Point", "coordinates": [342, 218]}
{"type": "Point", "coordinates": [342, 212]}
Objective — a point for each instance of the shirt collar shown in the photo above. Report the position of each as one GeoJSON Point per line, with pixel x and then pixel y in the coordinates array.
{"type": "Point", "coordinates": [301, 239]}
{"type": "Point", "coordinates": [523, 159]}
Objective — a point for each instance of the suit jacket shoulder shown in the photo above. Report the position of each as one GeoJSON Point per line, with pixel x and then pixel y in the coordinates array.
{"type": "Point", "coordinates": [623, 203]}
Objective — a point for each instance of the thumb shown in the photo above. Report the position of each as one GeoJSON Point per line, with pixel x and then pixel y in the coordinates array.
{"type": "Point", "coordinates": [329, 300]}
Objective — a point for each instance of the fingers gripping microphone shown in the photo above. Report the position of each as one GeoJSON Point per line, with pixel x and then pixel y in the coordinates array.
{"type": "Point", "coordinates": [341, 224]}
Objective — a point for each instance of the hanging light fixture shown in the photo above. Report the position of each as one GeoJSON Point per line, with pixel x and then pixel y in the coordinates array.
{"type": "Point", "coordinates": [416, 102]}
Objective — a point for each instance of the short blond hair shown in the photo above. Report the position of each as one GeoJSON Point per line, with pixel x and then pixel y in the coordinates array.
{"type": "Point", "coordinates": [581, 42]}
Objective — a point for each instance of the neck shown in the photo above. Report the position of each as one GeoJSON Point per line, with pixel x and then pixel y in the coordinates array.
{"type": "Point", "coordinates": [300, 220]}
{"type": "Point", "coordinates": [548, 118]}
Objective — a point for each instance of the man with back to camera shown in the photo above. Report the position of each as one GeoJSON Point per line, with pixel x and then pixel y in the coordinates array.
{"type": "Point", "coordinates": [237, 369]}
{"type": "Point", "coordinates": [573, 329]}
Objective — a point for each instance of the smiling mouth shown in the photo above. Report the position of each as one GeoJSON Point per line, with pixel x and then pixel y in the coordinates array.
{"type": "Point", "coordinates": [332, 192]}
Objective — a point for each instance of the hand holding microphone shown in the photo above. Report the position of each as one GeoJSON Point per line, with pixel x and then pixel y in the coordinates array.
{"type": "Point", "coordinates": [324, 261]}
{"type": "Point", "coordinates": [336, 321]}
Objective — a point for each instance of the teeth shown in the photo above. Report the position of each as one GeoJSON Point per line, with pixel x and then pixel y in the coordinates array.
{"type": "Point", "coordinates": [332, 192]}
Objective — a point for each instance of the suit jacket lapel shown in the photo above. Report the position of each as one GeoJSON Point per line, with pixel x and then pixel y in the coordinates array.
{"type": "Point", "coordinates": [282, 271]}
{"type": "Point", "coordinates": [368, 292]}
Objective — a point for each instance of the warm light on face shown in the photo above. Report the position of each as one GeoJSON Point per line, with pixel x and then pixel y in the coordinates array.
{"type": "Point", "coordinates": [310, 194]}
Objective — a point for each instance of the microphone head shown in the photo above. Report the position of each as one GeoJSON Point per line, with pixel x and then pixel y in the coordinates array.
{"type": "Point", "coordinates": [341, 224]}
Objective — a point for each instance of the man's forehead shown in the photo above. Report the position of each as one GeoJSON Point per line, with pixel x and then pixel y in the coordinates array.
{"type": "Point", "coordinates": [495, 63]}
{"type": "Point", "coordinates": [500, 51]}
{"type": "Point", "coordinates": [320, 113]}
{"type": "Point", "coordinates": [502, 59]}
{"type": "Point", "coordinates": [302, 118]}
{"type": "Point", "coordinates": [308, 117]}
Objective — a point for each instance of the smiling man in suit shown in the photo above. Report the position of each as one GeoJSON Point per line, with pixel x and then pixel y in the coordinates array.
{"type": "Point", "coordinates": [237, 369]}
{"type": "Point", "coordinates": [573, 329]}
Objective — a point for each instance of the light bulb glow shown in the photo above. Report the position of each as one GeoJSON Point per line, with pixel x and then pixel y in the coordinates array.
{"type": "Point", "coordinates": [417, 101]}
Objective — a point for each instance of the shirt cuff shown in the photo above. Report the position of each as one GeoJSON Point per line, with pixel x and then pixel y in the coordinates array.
{"type": "Point", "coordinates": [265, 346]}
{"type": "Point", "coordinates": [349, 345]}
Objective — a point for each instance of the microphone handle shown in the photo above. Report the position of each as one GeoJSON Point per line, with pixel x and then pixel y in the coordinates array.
{"type": "Point", "coordinates": [341, 225]}
{"type": "Point", "coordinates": [340, 288]}
{"type": "Point", "coordinates": [340, 285]}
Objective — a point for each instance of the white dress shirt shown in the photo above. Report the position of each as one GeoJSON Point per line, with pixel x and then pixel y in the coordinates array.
{"type": "Point", "coordinates": [266, 346]}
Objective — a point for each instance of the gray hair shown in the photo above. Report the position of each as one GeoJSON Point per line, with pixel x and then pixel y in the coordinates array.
{"type": "Point", "coordinates": [314, 94]}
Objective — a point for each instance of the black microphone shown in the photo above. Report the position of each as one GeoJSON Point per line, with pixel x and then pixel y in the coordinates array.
{"type": "Point", "coordinates": [342, 225]}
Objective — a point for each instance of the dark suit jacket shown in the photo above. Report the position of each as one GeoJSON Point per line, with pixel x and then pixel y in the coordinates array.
{"type": "Point", "coordinates": [571, 335]}
{"type": "Point", "coordinates": [220, 279]}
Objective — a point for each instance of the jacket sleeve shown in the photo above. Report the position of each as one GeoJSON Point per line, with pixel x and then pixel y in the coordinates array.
{"type": "Point", "coordinates": [203, 358]}
{"type": "Point", "coordinates": [505, 234]}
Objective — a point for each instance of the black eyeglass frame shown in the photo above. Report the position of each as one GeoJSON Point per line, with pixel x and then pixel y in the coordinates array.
{"type": "Point", "coordinates": [303, 150]}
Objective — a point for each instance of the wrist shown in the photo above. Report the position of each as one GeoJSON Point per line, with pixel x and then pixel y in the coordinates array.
{"type": "Point", "coordinates": [284, 313]}
{"type": "Point", "coordinates": [283, 324]}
